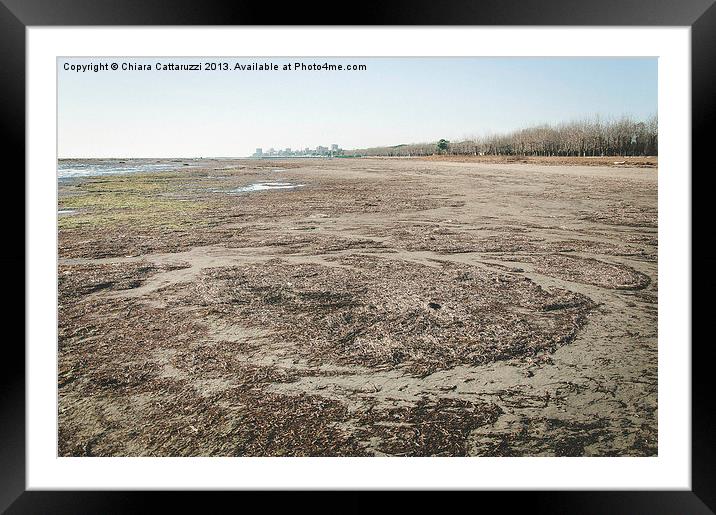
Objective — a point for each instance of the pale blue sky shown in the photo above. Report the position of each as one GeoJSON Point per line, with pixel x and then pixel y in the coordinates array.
{"type": "Point", "coordinates": [396, 100]}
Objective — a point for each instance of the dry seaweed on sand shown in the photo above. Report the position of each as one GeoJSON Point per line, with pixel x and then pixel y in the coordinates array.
{"type": "Point", "coordinates": [177, 421]}
{"type": "Point", "coordinates": [589, 271]}
{"type": "Point", "coordinates": [625, 215]}
{"type": "Point", "coordinates": [77, 280]}
{"type": "Point", "coordinates": [392, 313]}
{"type": "Point", "coordinates": [455, 242]}
{"type": "Point", "coordinates": [152, 384]}
{"type": "Point", "coordinates": [544, 437]}
{"type": "Point", "coordinates": [604, 248]}
{"type": "Point", "coordinates": [426, 428]}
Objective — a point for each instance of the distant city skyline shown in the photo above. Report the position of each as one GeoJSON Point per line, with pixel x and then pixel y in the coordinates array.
{"type": "Point", "coordinates": [320, 150]}
{"type": "Point", "coordinates": [155, 113]}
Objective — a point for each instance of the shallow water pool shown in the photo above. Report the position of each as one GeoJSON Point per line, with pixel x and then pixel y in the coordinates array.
{"type": "Point", "coordinates": [264, 186]}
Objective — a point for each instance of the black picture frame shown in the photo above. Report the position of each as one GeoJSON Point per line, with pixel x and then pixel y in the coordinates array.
{"type": "Point", "coordinates": [700, 15]}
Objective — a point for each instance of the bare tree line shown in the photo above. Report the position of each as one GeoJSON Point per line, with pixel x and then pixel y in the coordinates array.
{"type": "Point", "coordinates": [590, 137]}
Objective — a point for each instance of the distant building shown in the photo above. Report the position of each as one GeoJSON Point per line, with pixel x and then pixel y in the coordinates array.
{"type": "Point", "coordinates": [320, 150]}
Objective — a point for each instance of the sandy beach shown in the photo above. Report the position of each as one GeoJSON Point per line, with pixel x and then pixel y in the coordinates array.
{"type": "Point", "coordinates": [359, 307]}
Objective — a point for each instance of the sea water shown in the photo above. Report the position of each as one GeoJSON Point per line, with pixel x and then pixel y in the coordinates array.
{"type": "Point", "coordinates": [69, 169]}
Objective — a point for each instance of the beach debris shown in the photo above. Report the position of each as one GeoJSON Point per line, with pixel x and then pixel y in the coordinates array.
{"type": "Point", "coordinates": [588, 270]}
{"type": "Point", "coordinates": [344, 314]}
{"type": "Point", "coordinates": [448, 388]}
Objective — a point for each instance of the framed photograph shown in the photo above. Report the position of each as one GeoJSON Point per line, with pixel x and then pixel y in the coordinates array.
{"type": "Point", "coordinates": [435, 249]}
